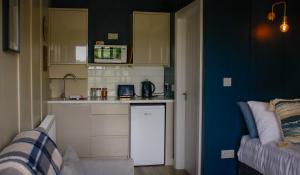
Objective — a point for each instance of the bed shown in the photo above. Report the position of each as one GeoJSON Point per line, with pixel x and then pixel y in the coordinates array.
{"type": "Point", "coordinates": [268, 159]}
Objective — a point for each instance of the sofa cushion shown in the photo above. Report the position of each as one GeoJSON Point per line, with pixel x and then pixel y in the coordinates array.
{"type": "Point", "coordinates": [31, 152]}
{"type": "Point", "coordinates": [72, 168]}
{"type": "Point", "coordinates": [108, 167]}
{"type": "Point", "coordinates": [70, 155]}
{"type": "Point", "coordinates": [71, 165]}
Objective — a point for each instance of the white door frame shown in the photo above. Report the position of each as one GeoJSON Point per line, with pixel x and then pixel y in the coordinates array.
{"type": "Point", "coordinates": [179, 125]}
{"type": "Point", "coordinates": [179, 115]}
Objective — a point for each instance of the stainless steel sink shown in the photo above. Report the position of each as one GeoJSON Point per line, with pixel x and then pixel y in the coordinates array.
{"type": "Point", "coordinates": [75, 99]}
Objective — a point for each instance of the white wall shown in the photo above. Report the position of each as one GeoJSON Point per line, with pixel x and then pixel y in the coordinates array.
{"type": "Point", "coordinates": [8, 92]}
{"type": "Point", "coordinates": [30, 63]}
{"type": "Point", "coordinates": [20, 75]}
{"type": "Point", "coordinates": [25, 66]}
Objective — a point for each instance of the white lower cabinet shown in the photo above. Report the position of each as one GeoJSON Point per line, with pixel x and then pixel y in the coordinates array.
{"type": "Point", "coordinates": [117, 125]}
{"type": "Point", "coordinates": [72, 127]}
{"type": "Point", "coordinates": [110, 131]}
{"type": "Point", "coordinates": [110, 147]}
{"type": "Point", "coordinates": [93, 130]}
{"type": "Point", "coordinates": [101, 131]}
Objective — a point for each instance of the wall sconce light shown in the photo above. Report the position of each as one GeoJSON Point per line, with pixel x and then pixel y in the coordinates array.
{"type": "Point", "coordinates": [284, 27]}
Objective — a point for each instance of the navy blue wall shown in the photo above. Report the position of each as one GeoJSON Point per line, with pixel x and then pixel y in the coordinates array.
{"type": "Point", "coordinates": [263, 62]}
{"type": "Point", "coordinates": [292, 50]}
{"type": "Point", "coordinates": [226, 54]}
{"type": "Point", "coordinates": [268, 59]}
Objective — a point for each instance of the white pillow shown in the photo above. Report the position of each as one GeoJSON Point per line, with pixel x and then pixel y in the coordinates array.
{"type": "Point", "coordinates": [267, 123]}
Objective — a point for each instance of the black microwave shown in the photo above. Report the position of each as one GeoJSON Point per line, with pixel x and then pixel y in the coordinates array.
{"type": "Point", "coordinates": [126, 91]}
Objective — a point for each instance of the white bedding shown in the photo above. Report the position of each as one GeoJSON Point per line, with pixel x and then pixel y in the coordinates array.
{"type": "Point", "coordinates": [269, 159]}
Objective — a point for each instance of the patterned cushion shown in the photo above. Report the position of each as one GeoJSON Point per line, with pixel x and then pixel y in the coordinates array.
{"type": "Point", "coordinates": [288, 112]}
{"type": "Point", "coordinates": [32, 152]}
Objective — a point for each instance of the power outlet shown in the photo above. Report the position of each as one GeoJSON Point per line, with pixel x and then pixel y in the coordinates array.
{"type": "Point", "coordinates": [227, 82]}
{"type": "Point", "coordinates": [113, 36]}
{"type": "Point", "coordinates": [227, 154]}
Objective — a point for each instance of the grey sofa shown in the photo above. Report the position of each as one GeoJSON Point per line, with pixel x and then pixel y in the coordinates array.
{"type": "Point", "coordinates": [72, 165]}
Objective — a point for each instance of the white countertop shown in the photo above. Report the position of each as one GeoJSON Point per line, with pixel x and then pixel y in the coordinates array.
{"type": "Point", "coordinates": [158, 99]}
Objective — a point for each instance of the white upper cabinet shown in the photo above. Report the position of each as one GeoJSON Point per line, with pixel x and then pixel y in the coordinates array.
{"type": "Point", "coordinates": [151, 38]}
{"type": "Point", "coordinates": [68, 36]}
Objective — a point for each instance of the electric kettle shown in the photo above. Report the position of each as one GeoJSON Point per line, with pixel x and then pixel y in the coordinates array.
{"type": "Point", "coordinates": [148, 89]}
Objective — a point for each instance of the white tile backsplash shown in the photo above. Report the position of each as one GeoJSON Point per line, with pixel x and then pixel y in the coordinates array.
{"type": "Point", "coordinates": [110, 77]}
{"type": "Point", "coordinates": [73, 87]}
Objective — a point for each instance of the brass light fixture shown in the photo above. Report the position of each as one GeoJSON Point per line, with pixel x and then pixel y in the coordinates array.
{"type": "Point", "coordinates": [284, 27]}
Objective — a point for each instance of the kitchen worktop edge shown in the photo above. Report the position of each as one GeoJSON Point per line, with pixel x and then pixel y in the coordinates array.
{"type": "Point", "coordinates": [159, 99]}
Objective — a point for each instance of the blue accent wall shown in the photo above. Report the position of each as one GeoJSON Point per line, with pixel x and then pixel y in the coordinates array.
{"type": "Point", "coordinates": [226, 54]}
{"type": "Point", "coordinates": [264, 64]}
{"type": "Point", "coordinates": [292, 50]}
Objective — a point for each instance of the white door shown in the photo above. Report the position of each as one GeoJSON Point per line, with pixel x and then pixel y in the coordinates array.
{"type": "Point", "coordinates": [147, 135]}
{"type": "Point", "coordinates": [192, 93]}
{"type": "Point", "coordinates": [188, 89]}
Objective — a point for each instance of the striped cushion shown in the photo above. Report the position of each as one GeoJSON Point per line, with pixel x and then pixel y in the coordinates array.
{"type": "Point", "coordinates": [288, 112]}
{"type": "Point", "coordinates": [32, 152]}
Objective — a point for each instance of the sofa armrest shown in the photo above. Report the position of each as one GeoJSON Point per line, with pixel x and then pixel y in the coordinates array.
{"type": "Point", "coordinates": [108, 167]}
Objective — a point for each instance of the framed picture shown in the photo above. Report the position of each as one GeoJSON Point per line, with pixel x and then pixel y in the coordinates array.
{"type": "Point", "coordinates": [11, 25]}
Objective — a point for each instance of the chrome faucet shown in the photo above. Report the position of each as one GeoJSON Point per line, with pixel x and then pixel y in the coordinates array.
{"type": "Point", "coordinates": [63, 95]}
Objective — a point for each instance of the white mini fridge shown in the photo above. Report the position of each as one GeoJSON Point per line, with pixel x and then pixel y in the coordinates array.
{"type": "Point", "coordinates": [147, 134]}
